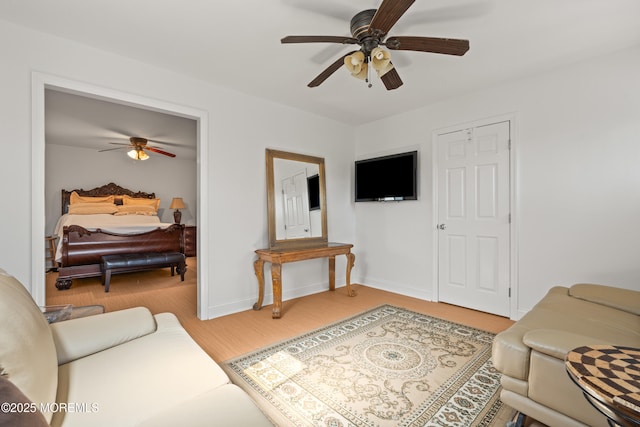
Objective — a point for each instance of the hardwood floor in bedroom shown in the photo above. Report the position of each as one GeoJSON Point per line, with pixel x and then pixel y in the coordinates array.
{"type": "Point", "coordinates": [233, 335]}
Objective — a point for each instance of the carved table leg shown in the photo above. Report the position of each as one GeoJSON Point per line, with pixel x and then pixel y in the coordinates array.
{"type": "Point", "coordinates": [351, 260]}
{"type": "Point", "coordinates": [258, 266]}
{"type": "Point", "coordinates": [276, 279]}
{"type": "Point", "coordinates": [332, 273]}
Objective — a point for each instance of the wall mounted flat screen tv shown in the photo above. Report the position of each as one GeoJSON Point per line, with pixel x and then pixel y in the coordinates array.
{"type": "Point", "coordinates": [388, 178]}
{"type": "Point", "coordinates": [313, 185]}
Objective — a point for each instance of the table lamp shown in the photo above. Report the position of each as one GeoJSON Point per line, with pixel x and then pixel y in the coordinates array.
{"type": "Point", "coordinates": [177, 204]}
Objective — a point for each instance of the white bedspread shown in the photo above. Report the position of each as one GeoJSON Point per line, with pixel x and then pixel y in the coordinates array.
{"type": "Point", "coordinates": [122, 224]}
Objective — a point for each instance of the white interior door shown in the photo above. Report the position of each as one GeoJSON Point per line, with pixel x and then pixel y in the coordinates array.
{"type": "Point", "coordinates": [474, 218]}
{"type": "Point", "coordinates": [296, 206]}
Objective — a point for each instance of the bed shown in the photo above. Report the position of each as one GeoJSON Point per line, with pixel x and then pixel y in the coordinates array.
{"type": "Point", "coordinates": [85, 236]}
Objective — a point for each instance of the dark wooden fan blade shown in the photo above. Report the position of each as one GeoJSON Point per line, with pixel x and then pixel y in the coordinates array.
{"type": "Point", "coordinates": [391, 80]}
{"type": "Point", "coordinates": [117, 148]}
{"type": "Point", "coordinates": [156, 150]}
{"type": "Point", "coordinates": [319, 39]}
{"type": "Point", "coordinates": [429, 44]}
{"type": "Point", "coordinates": [387, 15]}
{"type": "Point", "coordinates": [329, 70]}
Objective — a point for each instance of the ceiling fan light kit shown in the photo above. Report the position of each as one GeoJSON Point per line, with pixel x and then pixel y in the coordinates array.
{"type": "Point", "coordinates": [137, 154]}
{"type": "Point", "coordinates": [358, 64]}
{"type": "Point", "coordinates": [369, 29]}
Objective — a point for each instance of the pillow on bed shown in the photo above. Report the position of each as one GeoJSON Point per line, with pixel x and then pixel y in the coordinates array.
{"type": "Point", "coordinates": [128, 200]}
{"type": "Point", "coordinates": [76, 198]}
{"type": "Point", "coordinates": [92, 208]}
{"type": "Point", "coordinates": [136, 210]}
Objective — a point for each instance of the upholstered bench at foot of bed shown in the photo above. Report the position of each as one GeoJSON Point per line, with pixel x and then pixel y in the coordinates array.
{"type": "Point", "coordinates": [127, 263]}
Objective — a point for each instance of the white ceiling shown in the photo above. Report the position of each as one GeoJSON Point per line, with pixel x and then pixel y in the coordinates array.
{"type": "Point", "coordinates": [79, 121]}
{"type": "Point", "coordinates": [236, 43]}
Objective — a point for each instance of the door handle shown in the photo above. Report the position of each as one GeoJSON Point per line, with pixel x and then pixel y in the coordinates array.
{"type": "Point", "coordinates": [442, 226]}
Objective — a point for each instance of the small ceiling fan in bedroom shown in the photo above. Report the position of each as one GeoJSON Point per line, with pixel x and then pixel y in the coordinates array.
{"type": "Point", "coordinates": [369, 30]}
{"type": "Point", "coordinates": [138, 147]}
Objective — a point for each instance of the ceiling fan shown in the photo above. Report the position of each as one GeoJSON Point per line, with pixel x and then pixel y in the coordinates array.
{"type": "Point", "coordinates": [139, 147]}
{"type": "Point", "coordinates": [369, 29]}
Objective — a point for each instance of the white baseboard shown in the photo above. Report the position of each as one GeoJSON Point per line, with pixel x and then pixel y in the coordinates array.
{"type": "Point", "coordinates": [398, 288]}
{"type": "Point", "coordinates": [247, 304]}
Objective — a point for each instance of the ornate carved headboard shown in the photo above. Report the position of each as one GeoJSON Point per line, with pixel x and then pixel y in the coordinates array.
{"type": "Point", "coordinates": [105, 190]}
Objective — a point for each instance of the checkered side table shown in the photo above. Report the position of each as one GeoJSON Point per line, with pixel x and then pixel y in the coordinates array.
{"type": "Point", "coordinates": [609, 377]}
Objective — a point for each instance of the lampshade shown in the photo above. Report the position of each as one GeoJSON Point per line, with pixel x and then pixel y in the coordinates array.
{"type": "Point", "coordinates": [381, 61]}
{"type": "Point", "coordinates": [137, 154]}
{"type": "Point", "coordinates": [362, 75]}
{"type": "Point", "coordinates": [355, 63]}
{"type": "Point", "coordinates": [177, 203]}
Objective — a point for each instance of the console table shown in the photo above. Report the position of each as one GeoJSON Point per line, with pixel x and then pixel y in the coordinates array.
{"type": "Point", "coordinates": [277, 257]}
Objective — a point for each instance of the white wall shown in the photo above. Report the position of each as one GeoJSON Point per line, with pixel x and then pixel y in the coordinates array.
{"type": "Point", "coordinates": [240, 128]}
{"type": "Point", "coordinates": [577, 150]}
{"type": "Point", "coordinates": [72, 167]}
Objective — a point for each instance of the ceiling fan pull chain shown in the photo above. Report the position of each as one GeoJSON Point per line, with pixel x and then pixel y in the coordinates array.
{"type": "Point", "coordinates": [369, 84]}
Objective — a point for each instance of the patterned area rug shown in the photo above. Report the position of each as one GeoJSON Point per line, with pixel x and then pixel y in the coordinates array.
{"type": "Point", "coordinates": [385, 367]}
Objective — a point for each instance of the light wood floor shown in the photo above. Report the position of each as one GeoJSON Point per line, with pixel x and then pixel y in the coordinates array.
{"type": "Point", "coordinates": [233, 335]}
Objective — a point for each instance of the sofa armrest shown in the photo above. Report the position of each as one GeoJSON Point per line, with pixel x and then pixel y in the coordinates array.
{"type": "Point", "coordinates": [618, 298]}
{"type": "Point", "coordinates": [510, 356]}
{"type": "Point", "coordinates": [81, 337]}
{"type": "Point", "coordinates": [555, 343]}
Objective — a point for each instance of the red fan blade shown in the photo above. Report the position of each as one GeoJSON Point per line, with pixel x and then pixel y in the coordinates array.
{"type": "Point", "coordinates": [329, 70]}
{"type": "Point", "coordinates": [156, 150]}
{"type": "Point", "coordinates": [319, 39]}
{"type": "Point", "coordinates": [387, 15]}
{"type": "Point", "coordinates": [391, 79]}
{"type": "Point", "coordinates": [429, 44]}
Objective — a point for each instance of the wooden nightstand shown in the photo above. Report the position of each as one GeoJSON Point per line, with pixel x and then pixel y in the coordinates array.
{"type": "Point", "coordinates": [190, 240]}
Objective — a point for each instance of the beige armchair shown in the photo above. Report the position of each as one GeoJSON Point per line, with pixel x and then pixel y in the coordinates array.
{"type": "Point", "coordinates": [530, 354]}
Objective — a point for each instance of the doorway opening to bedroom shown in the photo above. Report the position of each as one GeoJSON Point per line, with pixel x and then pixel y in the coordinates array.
{"type": "Point", "coordinates": [80, 141]}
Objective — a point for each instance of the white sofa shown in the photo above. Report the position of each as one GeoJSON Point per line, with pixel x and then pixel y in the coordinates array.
{"type": "Point", "coordinates": [125, 368]}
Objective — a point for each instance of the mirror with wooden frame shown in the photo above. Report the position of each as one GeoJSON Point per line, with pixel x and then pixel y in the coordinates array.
{"type": "Point", "coordinates": [296, 200]}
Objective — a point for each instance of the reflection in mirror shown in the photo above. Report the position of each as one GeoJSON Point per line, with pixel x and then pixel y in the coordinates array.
{"type": "Point", "coordinates": [295, 220]}
{"type": "Point", "coordinates": [296, 200]}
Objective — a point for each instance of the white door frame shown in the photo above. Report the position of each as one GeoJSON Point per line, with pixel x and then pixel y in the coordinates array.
{"type": "Point", "coordinates": [513, 239]}
{"type": "Point", "coordinates": [42, 81]}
